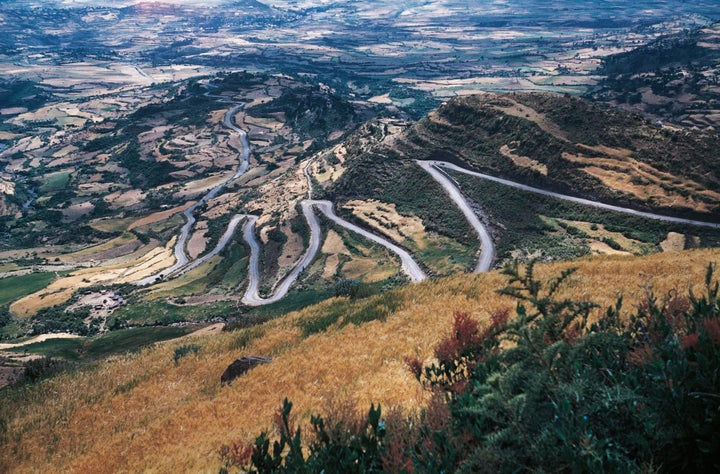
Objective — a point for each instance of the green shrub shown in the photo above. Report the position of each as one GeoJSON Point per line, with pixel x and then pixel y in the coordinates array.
{"type": "Point", "coordinates": [44, 367]}
{"type": "Point", "coordinates": [612, 243]}
{"type": "Point", "coordinates": [185, 349]}
{"type": "Point", "coordinates": [354, 447]}
{"type": "Point", "coordinates": [543, 391]}
{"type": "Point", "coordinates": [320, 323]}
{"type": "Point", "coordinates": [614, 396]}
{"type": "Point", "coordinates": [5, 317]}
{"type": "Point", "coordinates": [347, 287]}
{"type": "Point", "coordinates": [245, 336]}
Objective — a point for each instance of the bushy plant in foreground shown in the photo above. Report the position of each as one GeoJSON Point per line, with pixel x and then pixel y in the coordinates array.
{"type": "Point", "coordinates": [544, 390]}
{"type": "Point", "coordinates": [344, 445]}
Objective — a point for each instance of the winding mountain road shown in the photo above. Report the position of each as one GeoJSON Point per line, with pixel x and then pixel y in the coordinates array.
{"type": "Point", "coordinates": [409, 266]}
{"type": "Point", "coordinates": [181, 259]}
{"type": "Point", "coordinates": [564, 197]}
{"type": "Point", "coordinates": [222, 243]}
{"type": "Point", "coordinates": [487, 247]}
{"type": "Point", "coordinates": [252, 297]}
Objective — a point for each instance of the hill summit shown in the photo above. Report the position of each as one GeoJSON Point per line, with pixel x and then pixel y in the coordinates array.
{"type": "Point", "coordinates": [573, 145]}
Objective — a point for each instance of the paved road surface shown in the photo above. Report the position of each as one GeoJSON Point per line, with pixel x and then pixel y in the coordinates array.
{"type": "Point", "coordinates": [409, 266]}
{"type": "Point", "coordinates": [181, 259]}
{"type": "Point", "coordinates": [487, 247]}
{"type": "Point", "coordinates": [584, 202]}
{"type": "Point", "coordinates": [232, 226]}
{"type": "Point", "coordinates": [252, 298]}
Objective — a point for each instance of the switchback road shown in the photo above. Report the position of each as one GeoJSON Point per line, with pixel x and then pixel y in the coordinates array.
{"type": "Point", "coordinates": [181, 259]}
{"type": "Point", "coordinates": [487, 247]}
{"type": "Point", "coordinates": [577, 200]}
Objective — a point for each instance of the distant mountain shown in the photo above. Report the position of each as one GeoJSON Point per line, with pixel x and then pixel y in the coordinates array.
{"type": "Point", "coordinates": [676, 79]}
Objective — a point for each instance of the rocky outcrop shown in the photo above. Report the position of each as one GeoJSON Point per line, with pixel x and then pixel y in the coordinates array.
{"type": "Point", "coordinates": [240, 366]}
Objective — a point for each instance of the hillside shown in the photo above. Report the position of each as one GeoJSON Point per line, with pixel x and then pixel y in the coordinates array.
{"type": "Point", "coordinates": [145, 411]}
{"type": "Point", "coordinates": [103, 203]}
{"type": "Point", "coordinates": [551, 142]}
{"type": "Point", "coordinates": [562, 143]}
{"type": "Point", "coordinates": [140, 223]}
{"type": "Point", "coordinates": [674, 78]}
{"type": "Point", "coordinates": [569, 144]}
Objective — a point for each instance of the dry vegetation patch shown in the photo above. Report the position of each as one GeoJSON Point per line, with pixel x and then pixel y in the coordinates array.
{"type": "Point", "coordinates": [333, 247]}
{"type": "Point", "coordinates": [279, 194]}
{"type": "Point", "coordinates": [142, 412]}
{"type": "Point", "coordinates": [650, 192]}
{"type": "Point", "coordinates": [59, 291]}
{"type": "Point", "coordinates": [523, 161]}
{"type": "Point", "coordinates": [198, 241]}
{"type": "Point", "coordinates": [528, 113]}
{"type": "Point", "coordinates": [673, 243]}
{"type": "Point", "coordinates": [604, 249]}
{"type": "Point", "coordinates": [384, 218]}
{"type": "Point", "coordinates": [599, 232]}
{"type": "Point", "coordinates": [328, 169]}
{"type": "Point", "coordinates": [159, 216]}
{"type": "Point", "coordinates": [639, 172]}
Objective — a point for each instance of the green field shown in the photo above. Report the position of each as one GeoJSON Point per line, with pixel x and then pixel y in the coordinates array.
{"type": "Point", "coordinates": [55, 181]}
{"type": "Point", "coordinates": [116, 342]}
{"type": "Point", "coordinates": [162, 312]}
{"type": "Point", "coordinates": [13, 288]}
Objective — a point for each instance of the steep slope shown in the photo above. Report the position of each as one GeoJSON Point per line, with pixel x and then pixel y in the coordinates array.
{"type": "Point", "coordinates": [551, 142]}
{"type": "Point", "coordinates": [571, 145]}
{"type": "Point", "coordinates": [146, 412]}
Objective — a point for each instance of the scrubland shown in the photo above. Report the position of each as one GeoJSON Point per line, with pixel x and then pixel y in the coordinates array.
{"type": "Point", "coordinates": [144, 412]}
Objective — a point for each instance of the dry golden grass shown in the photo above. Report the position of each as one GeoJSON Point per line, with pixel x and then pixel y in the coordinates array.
{"type": "Point", "coordinates": [263, 122]}
{"type": "Point", "coordinates": [604, 249]}
{"type": "Point", "coordinates": [644, 181]}
{"type": "Point", "coordinates": [618, 171]}
{"type": "Point", "coordinates": [142, 413]}
{"type": "Point", "coordinates": [385, 219]}
{"type": "Point", "coordinates": [323, 171]}
{"type": "Point", "coordinates": [599, 232]}
{"type": "Point", "coordinates": [112, 225]}
{"type": "Point", "coordinates": [523, 111]}
{"type": "Point", "coordinates": [333, 246]}
{"type": "Point", "coordinates": [523, 161]}
{"type": "Point", "coordinates": [369, 269]}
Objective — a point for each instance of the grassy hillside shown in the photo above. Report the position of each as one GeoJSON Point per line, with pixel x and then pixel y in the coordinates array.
{"type": "Point", "coordinates": [550, 141]}
{"type": "Point", "coordinates": [144, 411]}
{"type": "Point", "coordinates": [571, 145]}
